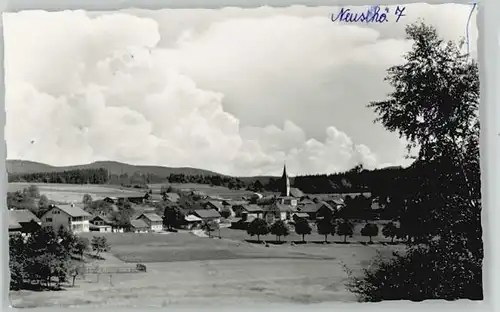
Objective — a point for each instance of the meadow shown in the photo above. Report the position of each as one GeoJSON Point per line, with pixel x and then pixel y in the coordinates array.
{"type": "Point", "coordinates": [183, 268]}
{"type": "Point", "coordinates": [66, 193]}
{"type": "Point", "coordinates": [186, 269]}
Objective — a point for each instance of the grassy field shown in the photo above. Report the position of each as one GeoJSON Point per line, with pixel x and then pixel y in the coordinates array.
{"type": "Point", "coordinates": [72, 192]}
{"type": "Point", "coordinates": [75, 192]}
{"type": "Point", "coordinates": [186, 269]}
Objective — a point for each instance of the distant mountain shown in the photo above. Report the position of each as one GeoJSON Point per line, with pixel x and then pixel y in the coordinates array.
{"type": "Point", "coordinates": [113, 167]}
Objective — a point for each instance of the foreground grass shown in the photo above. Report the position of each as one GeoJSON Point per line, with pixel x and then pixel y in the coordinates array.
{"type": "Point", "coordinates": [185, 269]}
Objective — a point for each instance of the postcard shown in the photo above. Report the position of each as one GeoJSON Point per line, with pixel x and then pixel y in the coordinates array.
{"type": "Point", "coordinates": [241, 156]}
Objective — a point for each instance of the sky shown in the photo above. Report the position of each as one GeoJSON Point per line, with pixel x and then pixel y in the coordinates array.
{"type": "Point", "coordinates": [236, 91]}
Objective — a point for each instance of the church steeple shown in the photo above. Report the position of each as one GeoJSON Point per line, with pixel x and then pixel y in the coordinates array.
{"type": "Point", "coordinates": [285, 183]}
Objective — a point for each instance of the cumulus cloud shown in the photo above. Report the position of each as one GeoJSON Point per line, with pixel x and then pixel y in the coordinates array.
{"type": "Point", "coordinates": [234, 91]}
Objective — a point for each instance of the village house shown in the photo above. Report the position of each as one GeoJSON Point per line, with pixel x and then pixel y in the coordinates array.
{"type": "Point", "coordinates": [287, 200]}
{"type": "Point", "coordinates": [207, 215]}
{"type": "Point", "coordinates": [316, 210]}
{"type": "Point", "coordinates": [306, 201]}
{"type": "Point", "coordinates": [153, 198]}
{"type": "Point", "coordinates": [276, 211]}
{"type": "Point", "coordinates": [154, 221]}
{"type": "Point", "coordinates": [70, 217]}
{"type": "Point", "coordinates": [192, 222]}
{"type": "Point", "coordinates": [121, 197]}
{"type": "Point", "coordinates": [139, 226]}
{"type": "Point", "coordinates": [248, 212]}
{"type": "Point", "coordinates": [212, 204]}
{"type": "Point", "coordinates": [299, 215]}
{"type": "Point", "coordinates": [101, 223]}
{"type": "Point", "coordinates": [28, 222]}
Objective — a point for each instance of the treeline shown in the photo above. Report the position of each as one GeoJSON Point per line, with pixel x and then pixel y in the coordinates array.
{"type": "Point", "coordinates": [358, 179]}
{"type": "Point", "coordinates": [215, 180]}
{"type": "Point", "coordinates": [77, 176]}
{"type": "Point", "coordinates": [136, 180]}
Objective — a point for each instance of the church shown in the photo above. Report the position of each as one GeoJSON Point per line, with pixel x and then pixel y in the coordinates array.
{"type": "Point", "coordinates": [288, 195]}
{"type": "Point", "coordinates": [284, 205]}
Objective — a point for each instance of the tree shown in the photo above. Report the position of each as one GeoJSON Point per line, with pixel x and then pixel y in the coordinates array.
{"type": "Point", "coordinates": [390, 230]}
{"type": "Point", "coordinates": [33, 191]}
{"type": "Point", "coordinates": [75, 271]}
{"type": "Point", "coordinates": [87, 200]}
{"type": "Point", "coordinates": [225, 213]}
{"type": "Point", "coordinates": [370, 230]}
{"type": "Point", "coordinates": [211, 226]}
{"type": "Point", "coordinates": [302, 227]}
{"type": "Point", "coordinates": [81, 245]}
{"type": "Point", "coordinates": [120, 219]}
{"type": "Point", "coordinates": [258, 227]}
{"type": "Point", "coordinates": [345, 229]}
{"type": "Point", "coordinates": [279, 228]}
{"type": "Point", "coordinates": [99, 244]}
{"type": "Point", "coordinates": [434, 107]}
{"type": "Point", "coordinates": [39, 257]}
{"type": "Point", "coordinates": [173, 217]}
{"type": "Point", "coordinates": [326, 227]}
{"type": "Point", "coordinates": [43, 202]}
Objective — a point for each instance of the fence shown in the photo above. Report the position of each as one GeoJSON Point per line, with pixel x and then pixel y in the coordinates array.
{"type": "Point", "coordinates": [115, 270]}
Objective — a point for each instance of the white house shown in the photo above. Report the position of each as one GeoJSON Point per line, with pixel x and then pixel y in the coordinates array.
{"type": "Point", "coordinates": [275, 212]}
{"type": "Point", "coordinates": [71, 217]}
{"type": "Point", "coordinates": [154, 221]}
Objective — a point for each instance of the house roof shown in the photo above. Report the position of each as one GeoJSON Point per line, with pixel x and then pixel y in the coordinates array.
{"type": "Point", "coordinates": [151, 216]}
{"type": "Point", "coordinates": [287, 197]}
{"type": "Point", "coordinates": [13, 224]}
{"type": "Point", "coordinates": [308, 208]}
{"type": "Point", "coordinates": [295, 192]}
{"type": "Point", "coordinates": [327, 205]}
{"type": "Point", "coordinates": [252, 208]}
{"type": "Point", "coordinates": [192, 218]}
{"type": "Point", "coordinates": [266, 200]}
{"type": "Point", "coordinates": [138, 224]}
{"type": "Point", "coordinates": [306, 202]}
{"type": "Point", "coordinates": [237, 202]}
{"type": "Point", "coordinates": [174, 197]}
{"type": "Point", "coordinates": [280, 207]}
{"type": "Point", "coordinates": [301, 214]}
{"type": "Point", "coordinates": [375, 205]}
{"type": "Point", "coordinates": [155, 197]}
{"type": "Point", "coordinates": [73, 210]}
{"type": "Point", "coordinates": [103, 218]}
{"type": "Point", "coordinates": [207, 213]}
{"type": "Point", "coordinates": [337, 201]}
{"type": "Point", "coordinates": [22, 216]}
{"type": "Point", "coordinates": [216, 204]}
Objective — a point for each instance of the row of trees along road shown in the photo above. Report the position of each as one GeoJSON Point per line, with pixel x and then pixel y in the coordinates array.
{"type": "Point", "coordinates": [434, 107]}
{"type": "Point", "coordinates": [45, 255]}
{"type": "Point", "coordinates": [259, 227]}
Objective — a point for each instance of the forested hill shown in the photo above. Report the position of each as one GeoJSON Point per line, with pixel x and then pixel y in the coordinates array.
{"type": "Point", "coordinates": [354, 180]}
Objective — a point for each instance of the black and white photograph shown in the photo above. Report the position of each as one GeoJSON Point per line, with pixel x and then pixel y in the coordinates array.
{"type": "Point", "coordinates": [242, 156]}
